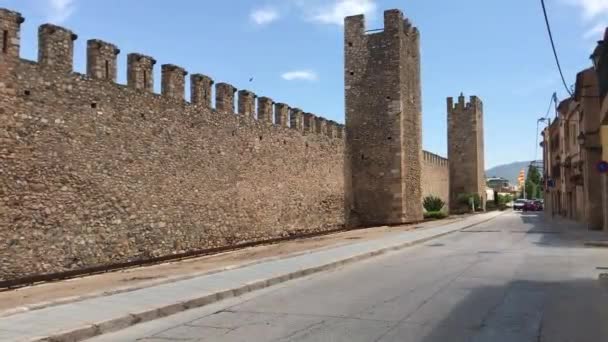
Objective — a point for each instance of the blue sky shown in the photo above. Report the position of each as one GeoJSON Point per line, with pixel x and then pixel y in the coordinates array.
{"type": "Point", "coordinates": [293, 49]}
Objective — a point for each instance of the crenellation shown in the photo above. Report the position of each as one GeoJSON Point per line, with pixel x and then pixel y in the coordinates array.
{"type": "Point", "coordinates": [281, 114]}
{"type": "Point", "coordinates": [296, 119]}
{"type": "Point", "coordinates": [246, 103]}
{"type": "Point", "coordinates": [10, 44]}
{"type": "Point", "coordinates": [331, 128]}
{"type": "Point", "coordinates": [340, 131]}
{"type": "Point", "coordinates": [224, 97]}
{"type": "Point", "coordinates": [101, 60]}
{"type": "Point", "coordinates": [56, 48]}
{"type": "Point", "coordinates": [140, 72]}
{"type": "Point", "coordinates": [354, 26]}
{"type": "Point", "coordinates": [320, 125]}
{"type": "Point", "coordinates": [265, 107]}
{"type": "Point", "coordinates": [200, 90]}
{"type": "Point", "coordinates": [10, 35]}
{"type": "Point", "coordinates": [394, 22]}
{"type": "Point", "coordinates": [173, 81]}
{"type": "Point", "coordinates": [309, 123]}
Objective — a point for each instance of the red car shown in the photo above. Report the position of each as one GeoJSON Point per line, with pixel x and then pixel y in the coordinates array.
{"type": "Point", "coordinates": [531, 206]}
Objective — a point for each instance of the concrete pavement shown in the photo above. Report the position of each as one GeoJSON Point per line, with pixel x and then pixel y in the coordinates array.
{"type": "Point", "coordinates": [95, 316]}
{"type": "Point", "coordinates": [515, 278]}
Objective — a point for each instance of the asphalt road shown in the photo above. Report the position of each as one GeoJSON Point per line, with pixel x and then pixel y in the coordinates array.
{"type": "Point", "coordinates": [513, 279]}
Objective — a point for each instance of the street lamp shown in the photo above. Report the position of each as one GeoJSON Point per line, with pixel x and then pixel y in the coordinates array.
{"type": "Point", "coordinates": [581, 139]}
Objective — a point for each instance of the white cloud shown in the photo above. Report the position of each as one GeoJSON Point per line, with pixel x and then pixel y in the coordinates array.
{"type": "Point", "coordinates": [596, 32]}
{"type": "Point", "coordinates": [300, 75]}
{"type": "Point", "coordinates": [60, 10]}
{"type": "Point", "coordinates": [593, 11]}
{"type": "Point", "coordinates": [591, 8]}
{"type": "Point", "coordinates": [263, 16]}
{"type": "Point", "coordinates": [335, 13]}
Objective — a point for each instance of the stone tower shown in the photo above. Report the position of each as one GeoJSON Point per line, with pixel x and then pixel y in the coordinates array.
{"type": "Point", "coordinates": [466, 149]}
{"type": "Point", "coordinates": [383, 122]}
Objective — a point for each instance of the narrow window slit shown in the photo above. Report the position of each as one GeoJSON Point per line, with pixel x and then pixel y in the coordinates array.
{"type": "Point", "coordinates": [5, 41]}
{"type": "Point", "coordinates": [107, 70]}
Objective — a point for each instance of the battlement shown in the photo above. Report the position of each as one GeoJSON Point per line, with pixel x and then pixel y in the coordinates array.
{"type": "Point", "coordinates": [394, 22]}
{"type": "Point", "coordinates": [434, 159]}
{"type": "Point", "coordinates": [473, 103]}
{"type": "Point", "coordinates": [56, 56]}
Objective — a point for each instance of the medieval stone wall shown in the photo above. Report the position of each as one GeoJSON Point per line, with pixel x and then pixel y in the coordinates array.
{"type": "Point", "coordinates": [93, 172]}
{"type": "Point", "coordinates": [435, 177]}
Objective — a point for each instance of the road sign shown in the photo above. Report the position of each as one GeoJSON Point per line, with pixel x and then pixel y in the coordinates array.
{"type": "Point", "coordinates": [602, 167]}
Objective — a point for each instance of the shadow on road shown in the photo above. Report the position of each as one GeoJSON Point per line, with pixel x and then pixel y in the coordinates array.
{"type": "Point", "coordinates": [558, 232]}
{"type": "Point", "coordinates": [552, 297]}
{"type": "Point", "coordinates": [524, 311]}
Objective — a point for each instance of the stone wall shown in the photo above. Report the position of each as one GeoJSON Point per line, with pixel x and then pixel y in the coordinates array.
{"type": "Point", "coordinates": [383, 122]}
{"type": "Point", "coordinates": [435, 177]}
{"type": "Point", "coordinates": [94, 172]}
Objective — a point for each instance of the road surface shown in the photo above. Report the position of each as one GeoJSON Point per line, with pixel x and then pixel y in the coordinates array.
{"type": "Point", "coordinates": [513, 279]}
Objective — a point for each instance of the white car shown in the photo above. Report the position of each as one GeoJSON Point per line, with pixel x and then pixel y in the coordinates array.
{"type": "Point", "coordinates": [519, 204]}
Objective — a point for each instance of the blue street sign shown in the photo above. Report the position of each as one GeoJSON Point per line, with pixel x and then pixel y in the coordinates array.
{"type": "Point", "coordinates": [602, 167]}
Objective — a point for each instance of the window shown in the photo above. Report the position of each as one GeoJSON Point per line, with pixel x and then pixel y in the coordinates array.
{"type": "Point", "coordinates": [107, 70]}
{"type": "Point", "coordinates": [145, 78]}
{"type": "Point", "coordinates": [5, 41]}
{"type": "Point", "coordinates": [572, 137]}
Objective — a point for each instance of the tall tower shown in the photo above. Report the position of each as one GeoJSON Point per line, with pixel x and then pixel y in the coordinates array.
{"type": "Point", "coordinates": [466, 149]}
{"type": "Point", "coordinates": [383, 122]}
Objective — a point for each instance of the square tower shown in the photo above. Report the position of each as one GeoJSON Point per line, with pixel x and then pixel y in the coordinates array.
{"type": "Point", "coordinates": [466, 150]}
{"type": "Point", "coordinates": [383, 122]}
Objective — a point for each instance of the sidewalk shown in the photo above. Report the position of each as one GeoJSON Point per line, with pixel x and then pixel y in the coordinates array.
{"type": "Point", "coordinates": [90, 317]}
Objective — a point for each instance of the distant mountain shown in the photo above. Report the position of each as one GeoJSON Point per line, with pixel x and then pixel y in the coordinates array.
{"type": "Point", "coordinates": [508, 171]}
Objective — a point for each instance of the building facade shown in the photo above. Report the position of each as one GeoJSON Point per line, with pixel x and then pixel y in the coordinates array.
{"type": "Point", "coordinates": [572, 152]}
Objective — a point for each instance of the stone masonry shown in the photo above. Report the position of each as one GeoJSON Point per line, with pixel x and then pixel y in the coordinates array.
{"type": "Point", "coordinates": [95, 173]}
{"type": "Point", "coordinates": [383, 122]}
{"type": "Point", "coordinates": [465, 149]}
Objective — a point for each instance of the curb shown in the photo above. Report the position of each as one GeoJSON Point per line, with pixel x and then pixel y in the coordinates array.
{"type": "Point", "coordinates": [131, 319]}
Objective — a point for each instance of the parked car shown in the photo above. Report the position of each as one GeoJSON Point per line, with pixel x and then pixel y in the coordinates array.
{"type": "Point", "coordinates": [530, 206]}
{"type": "Point", "coordinates": [519, 204]}
{"type": "Point", "coordinates": [539, 205]}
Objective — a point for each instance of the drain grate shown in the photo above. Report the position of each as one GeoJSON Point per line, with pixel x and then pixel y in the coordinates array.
{"type": "Point", "coordinates": [599, 244]}
{"type": "Point", "coordinates": [436, 245]}
{"type": "Point", "coordinates": [480, 231]}
{"type": "Point", "coordinates": [489, 252]}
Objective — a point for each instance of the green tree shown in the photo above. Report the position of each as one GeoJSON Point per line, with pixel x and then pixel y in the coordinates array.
{"type": "Point", "coordinates": [531, 189]}
{"type": "Point", "coordinates": [534, 175]}
{"type": "Point", "coordinates": [534, 178]}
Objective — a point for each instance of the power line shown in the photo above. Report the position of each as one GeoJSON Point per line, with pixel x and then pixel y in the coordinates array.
{"type": "Point", "coordinates": [559, 67]}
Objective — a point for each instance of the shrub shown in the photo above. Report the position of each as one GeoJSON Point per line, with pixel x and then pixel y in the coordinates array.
{"type": "Point", "coordinates": [435, 215]}
{"type": "Point", "coordinates": [504, 199]}
{"type": "Point", "coordinates": [433, 203]}
{"type": "Point", "coordinates": [465, 200]}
